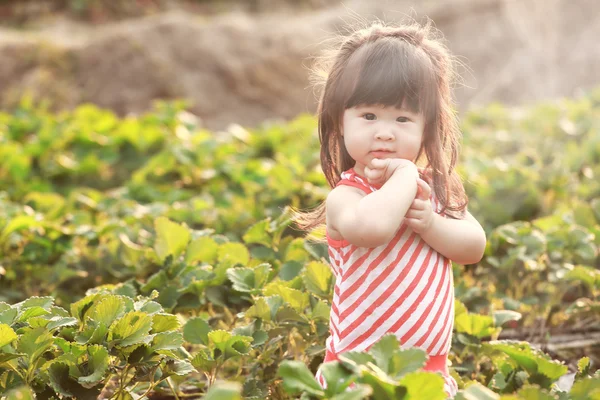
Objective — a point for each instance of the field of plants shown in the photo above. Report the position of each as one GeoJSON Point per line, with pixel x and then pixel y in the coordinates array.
{"type": "Point", "coordinates": [145, 257]}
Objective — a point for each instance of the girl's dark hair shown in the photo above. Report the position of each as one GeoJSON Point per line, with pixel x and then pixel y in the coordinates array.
{"type": "Point", "coordinates": [402, 66]}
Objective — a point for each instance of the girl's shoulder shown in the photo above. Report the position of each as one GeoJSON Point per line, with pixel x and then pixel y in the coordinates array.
{"type": "Point", "coordinates": [341, 192]}
{"type": "Point", "coordinates": [337, 202]}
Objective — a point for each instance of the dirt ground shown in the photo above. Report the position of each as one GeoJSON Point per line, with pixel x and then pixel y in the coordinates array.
{"type": "Point", "coordinates": [248, 64]}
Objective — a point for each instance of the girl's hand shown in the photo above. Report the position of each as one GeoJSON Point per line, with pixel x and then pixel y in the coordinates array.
{"type": "Point", "coordinates": [420, 215]}
{"type": "Point", "coordinates": [378, 171]}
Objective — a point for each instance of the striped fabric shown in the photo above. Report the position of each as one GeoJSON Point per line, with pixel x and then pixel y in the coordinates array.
{"type": "Point", "coordinates": [403, 287]}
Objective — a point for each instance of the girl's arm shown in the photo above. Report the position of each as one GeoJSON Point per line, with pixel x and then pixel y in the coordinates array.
{"type": "Point", "coordinates": [461, 240]}
{"type": "Point", "coordinates": [372, 220]}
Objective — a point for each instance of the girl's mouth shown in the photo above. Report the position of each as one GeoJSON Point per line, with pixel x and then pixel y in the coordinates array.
{"type": "Point", "coordinates": [381, 153]}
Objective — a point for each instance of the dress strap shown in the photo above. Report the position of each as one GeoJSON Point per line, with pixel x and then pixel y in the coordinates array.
{"type": "Point", "coordinates": [351, 178]}
{"type": "Point", "coordinates": [348, 182]}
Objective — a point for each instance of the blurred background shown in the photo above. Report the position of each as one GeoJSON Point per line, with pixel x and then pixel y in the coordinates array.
{"type": "Point", "coordinates": [246, 61]}
{"type": "Point", "coordinates": [135, 193]}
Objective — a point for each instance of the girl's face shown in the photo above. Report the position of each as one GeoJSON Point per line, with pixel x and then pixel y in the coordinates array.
{"type": "Point", "coordinates": [381, 132]}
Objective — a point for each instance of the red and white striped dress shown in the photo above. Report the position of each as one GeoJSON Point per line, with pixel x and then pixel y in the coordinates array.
{"type": "Point", "coordinates": [403, 287]}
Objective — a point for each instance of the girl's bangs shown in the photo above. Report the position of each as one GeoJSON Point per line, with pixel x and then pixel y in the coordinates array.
{"type": "Point", "coordinates": [390, 73]}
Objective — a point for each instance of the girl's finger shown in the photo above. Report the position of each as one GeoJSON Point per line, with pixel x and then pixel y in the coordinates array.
{"type": "Point", "coordinates": [424, 190]}
{"type": "Point", "coordinates": [411, 222]}
{"type": "Point", "coordinates": [376, 163]}
{"type": "Point", "coordinates": [418, 204]}
{"type": "Point", "coordinates": [412, 214]}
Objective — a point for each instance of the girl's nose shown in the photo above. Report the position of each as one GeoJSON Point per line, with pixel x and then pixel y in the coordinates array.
{"type": "Point", "coordinates": [384, 134]}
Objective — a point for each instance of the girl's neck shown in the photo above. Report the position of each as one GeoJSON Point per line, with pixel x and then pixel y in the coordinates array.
{"type": "Point", "coordinates": [359, 169]}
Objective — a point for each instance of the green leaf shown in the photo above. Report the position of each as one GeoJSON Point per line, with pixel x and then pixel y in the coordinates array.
{"type": "Point", "coordinates": [203, 361]}
{"type": "Point", "coordinates": [59, 322]}
{"type": "Point", "coordinates": [232, 254]}
{"type": "Point", "coordinates": [156, 281]}
{"type": "Point", "coordinates": [477, 391]}
{"type": "Point", "coordinates": [164, 322]}
{"type": "Point", "coordinates": [242, 279]}
{"type": "Point", "coordinates": [16, 224]}
{"type": "Point", "coordinates": [131, 253]}
{"type": "Point", "coordinates": [167, 341]}
{"type": "Point", "coordinates": [224, 391]}
{"type": "Point", "coordinates": [229, 345]}
{"type": "Point", "coordinates": [260, 337]}
{"type": "Point", "coordinates": [476, 325]}
{"type": "Point", "coordinates": [203, 249]}
{"type": "Point", "coordinates": [20, 393]}
{"type": "Point", "coordinates": [583, 367]}
{"type": "Point", "coordinates": [297, 378]}
{"type": "Point", "coordinates": [499, 381]}
{"type": "Point", "coordinates": [31, 312]}
{"type": "Point", "coordinates": [4, 357]}
{"type": "Point", "coordinates": [424, 385]}
{"type": "Point", "coordinates": [358, 393]}
{"type": "Point", "coordinates": [408, 360]}
{"type": "Point", "coordinates": [356, 358]}
{"type": "Point", "coordinates": [74, 349]}
{"type": "Point", "coordinates": [290, 270]}
{"type": "Point", "coordinates": [7, 335]}
{"type": "Point", "coordinates": [337, 376]}
{"type": "Point", "coordinates": [34, 343]}
{"type": "Point", "coordinates": [249, 279]}
{"type": "Point", "coordinates": [79, 308]}
{"type": "Point", "coordinates": [255, 389]}
{"type": "Point", "coordinates": [384, 387]}
{"type": "Point", "coordinates": [535, 393]}
{"type": "Point", "coordinates": [178, 367]}
{"type": "Point", "coordinates": [94, 333]}
{"type": "Point", "coordinates": [107, 309]}
{"type": "Point", "coordinates": [586, 389]}
{"type": "Point", "coordinates": [259, 233]}
{"type": "Point", "coordinates": [8, 316]}
{"type": "Point", "coordinates": [265, 308]}
{"type": "Point", "coordinates": [97, 366]}
{"type": "Point", "coordinates": [63, 384]}
{"type": "Point", "coordinates": [589, 276]}
{"type": "Point", "coordinates": [295, 298]}
{"type": "Point", "coordinates": [35, 301]}
{"type": "Point", "coordinates": [503, 316]}
{"type": "Point", "coordinates": [595, 204]}
{"type": "Point", "coordinates": [321, 311]}
{"type": "Point", "coordinates": [133, 328]}
{"type": "Point", "coordinates": [196, 331]}
{"type": "Point", "coordinates": [318, 278]}
{"type": "Point", "coordinates": [533, 361]}
{"type": "Point", "coordinates": [171, 238]}
{"type": "Point", "coordinates": [260, 309]}
{"type": "Point", "coordinates": [383, 350]}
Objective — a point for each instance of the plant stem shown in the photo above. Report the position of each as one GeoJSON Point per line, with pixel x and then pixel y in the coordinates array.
{"type": "Point", "coordinates": [172, 388]}
{"type": "Point", "coordinates": [122, 377]}
{"type": "Point", "coordinates": [152, 383]}
{"type": "Point", "coordinates": [16, 371]}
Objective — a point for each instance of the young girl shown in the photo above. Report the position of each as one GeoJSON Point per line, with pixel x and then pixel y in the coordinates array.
{"type": "Point", "coordinates": [391, 227]}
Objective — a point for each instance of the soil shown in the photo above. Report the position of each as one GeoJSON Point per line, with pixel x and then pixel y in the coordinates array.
{"type": "Point", "coordinates": [247, 62]}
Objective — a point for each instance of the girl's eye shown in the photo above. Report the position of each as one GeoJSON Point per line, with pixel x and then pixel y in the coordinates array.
{"type": "Point", "coordinates": [369, 116]}
{"type": "Point", "coordinates": [402, 119]}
